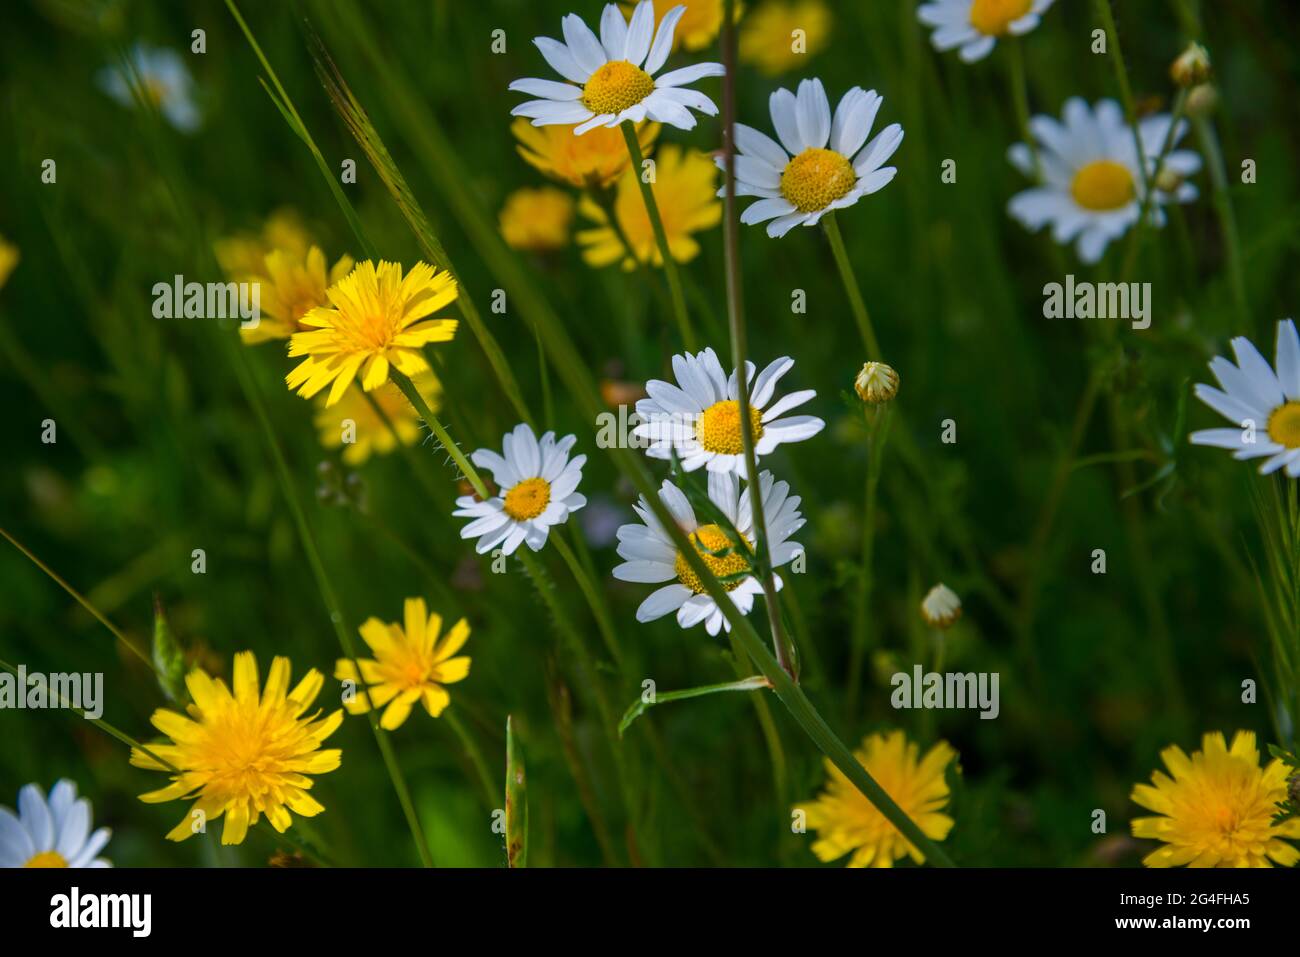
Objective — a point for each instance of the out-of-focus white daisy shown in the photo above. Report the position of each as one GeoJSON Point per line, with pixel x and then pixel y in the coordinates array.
{"type": "Point", "coordinates": [1263, 405]}
{"type": "Point", "coordinates": [700, 415]}
{"type": "Point", "coordinates": [820, 164]}
{"type": "Point", "coordinates": [651, 557]}
{"type": "Point", "coordinates": [538, 488]}
{"type": "Point", "coordinates": [1093, 188]}
{"type": "Point", "coordinates": [976, 25]}
{"type": "Point", "coordinates": [53, 833]}
{"type": "Point", "coordinates": [941, 607]}
{"type": "Point", "coordinates": [166, 81]}
{"type": "Point", "coordinates": [612, 79]}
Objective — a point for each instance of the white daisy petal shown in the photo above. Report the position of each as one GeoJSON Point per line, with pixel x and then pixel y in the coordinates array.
{"type": "Point", "coordinates": [785, 118]}
{"type": "Point", "coordinates": [662, 601]}
{"type": "Point", "coordinates": [663, 41]}
{"type": "Point", "coordinates": [640, 33]}
{"type": "Point", "coordinates": [613, 32]}
{"type": "Point", "coordinates": [689, 74]}
{"type": "Point", "coordinates": [813, 113]}
{"type": "Point", "coordinates": [561, 59]}
{"type": "Point", "coordinates": [1288, 359]}
{"type": "Point", "coordinates": [583, 44]}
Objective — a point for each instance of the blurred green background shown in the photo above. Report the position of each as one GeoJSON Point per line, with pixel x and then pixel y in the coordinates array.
{"type": "Point", "coordinates": [159, 453]}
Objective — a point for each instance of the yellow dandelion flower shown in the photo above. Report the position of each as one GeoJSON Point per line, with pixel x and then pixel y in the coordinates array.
{"type": "Point", "coordinates": [353, 424]}
{"type": "Point", "coordinates": [8, 260]}
{"type": "Point", "coordinates": [1217, 809]}
{"type": "Point", "coordinates": [410, 665]}
{"type": "Point", "coordinates": [244, 754]}
{"type": "Point", "coordinates": [847, 821]}
{"type": "Point", "coordinates": [375, 322]}
{"type": "Point", "coordinates": [245, 254]}
{"type": "Point", "coordinates": [699, 25]}
{"type": "Point", "coordinates": [591, 161]}
{"type": "Point", "coordinates": [537, 220]}
{"type": "Point", "coordinates": [779, 35]}
{"type": "Point", "coordinates": [290, 271]}
{"type": "Point", "coordinates": [685, 188]}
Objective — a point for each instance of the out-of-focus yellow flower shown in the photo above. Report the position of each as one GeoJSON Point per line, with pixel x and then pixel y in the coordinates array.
{"type": "Point", "coordinates": [685, 189]}
{"type": "Point", "coordinates": [847, 822]}
{"type": "Point", "coordinates": [780, 35]}
{"type": "Point", "coordinates": [244, 754]}
{"type": "Point", "coordinates": [1217, 809]}
{"type": "Point", "coordinates": [290, 271]}
{"type": "Point", "coordinates": [699, 25]}
{"type": "Point", "coordinates": [8, 260]}
{"type": "Point", "coordinates": [537, 220]}
{"type": "Point", "coordinates": [410, 665]}
{"type": "Point", "coordinates": [354, 425]}
{"type": "Point", "coordinates": [591, 161]}
{"type": "Point", "coordinates": [378, 319]}
{"type": "Point", "coordinates": [246, 253]}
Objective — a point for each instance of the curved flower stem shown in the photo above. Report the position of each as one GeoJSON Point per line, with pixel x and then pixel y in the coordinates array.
{"type": "Point", "coordinates": [1107, 15]}
{"type": "Point", "coordinates": [82, 601]}
{"type": "Point", "coordinates": [785, 652]}
{"type": "Point", "coordinates": [661, 237]}
{"type": "Point", "coordinates": [1139, 231]}
{"type": "Point", "coordinates": [851, 288]}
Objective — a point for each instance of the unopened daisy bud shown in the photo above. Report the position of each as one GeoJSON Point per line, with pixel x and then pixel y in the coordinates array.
{"type": "Point", "coordinates": [941, 607]}
{"type": "Point", "coordinates": [876, 383]}
{"type": "Point", "coordinates": [1202, 100]}
{"type": "Point", "coordinates": [1191, 67]}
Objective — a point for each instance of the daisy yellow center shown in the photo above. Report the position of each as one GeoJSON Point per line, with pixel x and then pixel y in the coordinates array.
{"type": "Point", "coordinates": [994, 17]}
{"type": "Point", "coordinates": [615, 87]}
{"type": "Point", "coordinates": [1284, 425]}
{"type": "Point", "coordinates": [816, 178]}
{"type": "Point", "coordinates": [528, 499]}
{"type": "Point", "coordinates": [709, 541]}
{"type": "Point", "coordinates": [1103, 185]}
{"type": "Point", "coordinates": [47, 859]}
{"type": "Point", "coordinates": [718, 429]}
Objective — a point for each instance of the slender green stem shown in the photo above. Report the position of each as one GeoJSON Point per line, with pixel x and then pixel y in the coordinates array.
{"type": "Point", "coordinates": [1020, 96]}
{"type": "Point", "coordinates": [785, 652]}
{"type": "Point", "coordinates": [1144, 215]}
{"type": "Point", "coordinates": [81, 600]}
{"type": "Point", "coordinates": [661, 237]}
{"type": "Point", "coordinates": [1107, 15]}
{"type": "Point", "coordinates": [440, 433]}
{"type": "Point", "coordinates": [1227, 218]}
{"type": "Point", "coordinates": [604, 623]}
{"type": "Point", "coordinates": [856, 303]}
{"type": "Point", "coordinates": [475, 753]}
{"type": "Point", "coordinates": [878, 434]}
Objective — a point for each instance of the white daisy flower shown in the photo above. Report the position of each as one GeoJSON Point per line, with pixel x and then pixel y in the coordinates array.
{"type": "Point", "coordinates": [1092, 189]}
{"type": "Point", "coordinates": [538, 488]}
{"type": "Point", "coordinates": [166, 81]}
{"type": "Point", "coordinates": [700, 416]}
{"type": "Point", "coordinates": [53, 833]}
{"type": "Point", "coordinates": [941, 607]}
{"type": "Point", "coordinates": [1263, 406]}
{"type": "Point", "coordinates": [830, 169]}
{"type": "Point", "coordinates": [612, 79]}
{"type": "Point", "coordinates": [976, 25]}
{"type": "Point", "coordinates": [651, 557]}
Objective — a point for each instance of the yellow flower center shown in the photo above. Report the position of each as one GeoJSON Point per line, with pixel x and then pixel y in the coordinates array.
{"type": "Point", "coordinates": [47, 859]}
{"type": "Point", "coordinates": [1284, 425]}
{"type": "Point", "coordinates": [709, 540]}
{"type": "Point", "coordinates": [528, 499]}
{"type": "Point", "coordinates": [1103, 185]}
{"type": "Point", "coordinates": [816, 178]}
{"type": "Point", "coordinates": [718, 429]}
{"type": "Point", "coordinates": [993, 17]}
{"type": "Point", "coordinates": [615, 87]}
